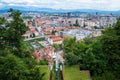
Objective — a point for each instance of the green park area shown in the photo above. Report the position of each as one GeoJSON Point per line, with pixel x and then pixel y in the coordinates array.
{"type": "Point", "coordinates": [45, 69]}
{"type": "Point", "coordinates": [73, 73]}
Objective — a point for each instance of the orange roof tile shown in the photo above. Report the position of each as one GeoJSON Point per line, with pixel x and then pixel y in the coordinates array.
{"type": "Point", "coordinates": [57, 39]}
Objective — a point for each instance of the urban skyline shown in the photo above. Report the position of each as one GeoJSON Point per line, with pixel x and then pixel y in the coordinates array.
{"type": "Point", "coordinates": [111, 5]}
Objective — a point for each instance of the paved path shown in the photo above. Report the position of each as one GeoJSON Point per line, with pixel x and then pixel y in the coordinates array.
{"type": "Point", "coordinates": [58, 59]}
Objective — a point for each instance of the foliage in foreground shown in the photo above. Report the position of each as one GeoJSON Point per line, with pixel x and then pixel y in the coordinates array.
{"type": "Point", "coordinates": [100, 55]}
{"type": "Point", "coordinates": [16, 63]}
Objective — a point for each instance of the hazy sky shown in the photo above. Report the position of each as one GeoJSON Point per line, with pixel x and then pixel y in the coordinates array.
{"type": "Point", "coordinates": [66, 4]}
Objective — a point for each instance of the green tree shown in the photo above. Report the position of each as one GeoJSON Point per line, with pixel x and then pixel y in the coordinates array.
{"type": "Point", "coordinates": [36, 74]}
{"type": "Point", "coordinates": [92, 55]}
{"type": "Point", "coordinates": [11, 32]}
{"type": "Point", "coordinates": [70, 49]}
{"type": "Point", "coordinates": [71, 59]}
{"type": "Point", "coordinates": [16, 28]}
{"type": "Point", "coordinates": [12, 68]}
{"type": "Point", "coordinates": [53, 32]}
{"type": "Point", "coordinates": [16, 63]}
{"type": "Point", "coordinates": [111, 47]}
{"type": "Point", "coordinates": [69, 45]}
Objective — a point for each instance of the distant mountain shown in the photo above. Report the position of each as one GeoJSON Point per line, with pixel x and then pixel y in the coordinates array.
{"type": "Point", "coordinates": [22, 8]}
{"type": "Point", "coordinates": [50, 10]}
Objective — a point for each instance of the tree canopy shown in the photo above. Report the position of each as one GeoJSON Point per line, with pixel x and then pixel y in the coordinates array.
{"type": "Point", "coordinates": [16, 63]}
{"type": "Point", "coordinates": [100, 55]}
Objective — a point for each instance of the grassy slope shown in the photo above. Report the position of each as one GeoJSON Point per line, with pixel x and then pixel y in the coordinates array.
{"type": "Point", "coordinates": [45, 69]}
{"type": "Point", "coordinates": [73, 73]}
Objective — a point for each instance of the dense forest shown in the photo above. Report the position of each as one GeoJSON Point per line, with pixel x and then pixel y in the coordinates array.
{"type": "Point", "coordinates": [100, 55]}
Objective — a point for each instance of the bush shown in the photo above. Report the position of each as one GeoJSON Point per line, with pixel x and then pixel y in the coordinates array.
{"type": "Point", "coordinates": [43, 62]}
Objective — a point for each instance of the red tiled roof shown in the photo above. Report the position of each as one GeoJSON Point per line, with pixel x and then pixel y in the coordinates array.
{"type": "Point", "coordinates": [32, 30]}
{"type": "Point", "coordinates": [51, 36]}
{"type": "Point", "coordinates": [50, 29]}
{"type": "Point", "coordinates": [57, 39]}
{"type": "Point", "coordinates": [46, 51]}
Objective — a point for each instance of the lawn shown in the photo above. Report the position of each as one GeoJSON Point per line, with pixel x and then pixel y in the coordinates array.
{"type": "Point", "coordinates": [45, 69]}
{"type": "Point", "coordinates": [73, 73]}
{"type": "Point", "coordinates": [36, 39]}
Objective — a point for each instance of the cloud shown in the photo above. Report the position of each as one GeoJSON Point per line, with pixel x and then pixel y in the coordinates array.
{"type": "Point", "coordinates": [66, 4]}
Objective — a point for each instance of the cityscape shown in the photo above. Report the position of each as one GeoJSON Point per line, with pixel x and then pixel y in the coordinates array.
{"type": "Point", "coordinates": [59, 42]}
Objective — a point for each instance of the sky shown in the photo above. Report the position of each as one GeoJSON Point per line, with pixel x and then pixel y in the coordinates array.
{"type": "Point", "coordinates": [109, 5]}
